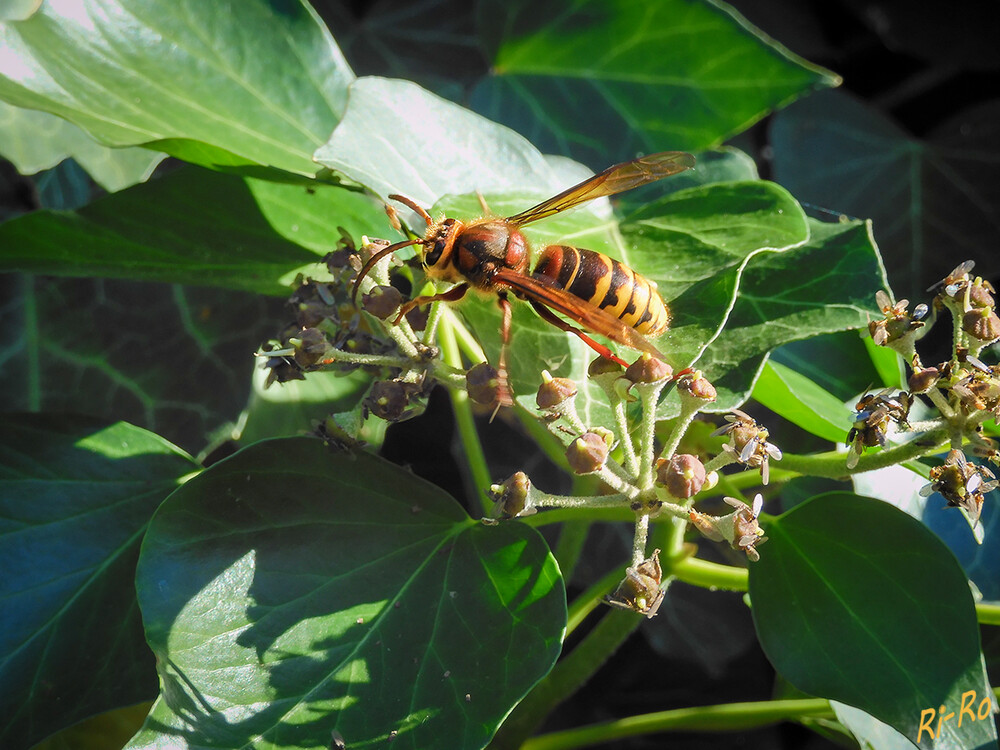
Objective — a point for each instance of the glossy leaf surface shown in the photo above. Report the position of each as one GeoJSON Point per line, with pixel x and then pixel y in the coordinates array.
{"type": "Point", "coordinates": [856, 601]}
{"type": "Point", "coordinates": [613, 79]}
{"type": "Point", "coordinates": [295, 590]}
{"type": "Point", "coordinates": [75, 497]}
{"type": "Point", "coordinates": [176, 75]}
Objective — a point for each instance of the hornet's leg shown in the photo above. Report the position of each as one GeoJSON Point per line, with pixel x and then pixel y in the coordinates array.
{"type": "Point", "coordinates": [505, 396]}
{"type": "Point", "coordinates": [549, 317]}
{"type": "Point", "coordinates": [455, 293]}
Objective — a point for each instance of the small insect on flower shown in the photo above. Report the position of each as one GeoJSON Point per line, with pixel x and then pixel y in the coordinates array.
{"type": "Point", "coordinates": [748, 443]}
{"type": "Point", "coordinates": [897, 321]}
{"type": "Point", "coordinates": [748, 532]}
{"type": "Point", "coordinates": [979, 390]}
{"type": "Point", "coordinates": [874, 413]}
{"type": "Point", "coordinates": [640, 590]}
{"type": "Point", "coordinates": [955, 281]}
{"type": "Point", "coordinates": [963, 484]}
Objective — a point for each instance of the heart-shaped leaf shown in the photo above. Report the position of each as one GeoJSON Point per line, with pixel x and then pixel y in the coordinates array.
{"type": "Point", "coordinates": [856, 601]}
{"type": "Point", "coordinates": [75, 497]}
{"type": "Point", "coordinates": [295, 592]}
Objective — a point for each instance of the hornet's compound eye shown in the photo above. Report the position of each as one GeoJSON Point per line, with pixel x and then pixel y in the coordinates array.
{"type": "Point", "coordinates": [441, 241]}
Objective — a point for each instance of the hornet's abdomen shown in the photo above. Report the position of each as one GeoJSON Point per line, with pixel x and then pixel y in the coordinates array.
{"type": "Point", "coordinates": [606, 283]}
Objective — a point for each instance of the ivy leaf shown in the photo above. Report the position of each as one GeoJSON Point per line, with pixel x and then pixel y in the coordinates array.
{"type": "Point", "coordinates": [931, 201]}
{"type": "Point", "coordinates": [845, 609]}
{"type": "Point", "coordinates": [176, 76]}
{"type": "Point", "coordinates": [613, 79]}
{"type": "Point", "coordinates": [825, 285]}
{"type": "Point", "coordinates": [452, 151]}
{"type": "Point", "coordinates": [193, 226]}
{"type": "Point", "coordinates": [75, 497]}
{"type": "Point", "coordinates": [179, 362]}
{"type": "Point", "coordinates": [295, 590]}
{"type": "Point", "coordinates": [34, 141]}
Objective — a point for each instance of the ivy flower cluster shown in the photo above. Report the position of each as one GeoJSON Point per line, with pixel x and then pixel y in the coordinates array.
{"type": "Point", "coordinates": [963, 389]}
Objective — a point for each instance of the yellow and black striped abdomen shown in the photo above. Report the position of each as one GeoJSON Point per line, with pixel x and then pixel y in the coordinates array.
{"type": "Point", "coordinates": [606, 283]}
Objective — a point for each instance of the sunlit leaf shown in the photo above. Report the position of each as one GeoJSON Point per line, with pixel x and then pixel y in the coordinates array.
{"type": "Point", "coordinates": [296, 590]}
{"type": "Point", "coordinates": [143, 71]}
{"type": "Point", "coordinates": [34, 141]}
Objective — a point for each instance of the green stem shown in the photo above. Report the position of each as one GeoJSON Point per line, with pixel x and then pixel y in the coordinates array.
{"type": "Point", "coordinates": [591, 598]}
{"type": "Point", "coordinates": [567, 676]}
{"type": "Point", "coordinates": [709, 575]}
{"type": "Point", "coordinates": [465, 421]}
{"type": "Point", "coordinates": [833, 464]}
{"type": "Point", "coordinates": [724, 717]}
{"type": "Point", "coordinates": [988, 614]}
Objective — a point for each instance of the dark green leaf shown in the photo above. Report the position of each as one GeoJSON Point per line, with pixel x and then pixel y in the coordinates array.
{"type": "Point", "coordinates": [34, 141]}
{"type": "Point", "coordinates": [173, 359]}
{"type": "Point", "coordinates": [143, 71]}
{"type": "Point", "coordinates": [75, 497]}
{"type": "Point", "coordinates": [295, 590]}
{"type": "Point", "coordinates": [856, 601]}
{"type": "Point", "coordinates": [193, 226]}
{"type": "Point", "coordinates": [802, 402]}
{"type": "Point", "coordinates": [931, 202]}
{"type": "Point", "coordinates": [608, 80]}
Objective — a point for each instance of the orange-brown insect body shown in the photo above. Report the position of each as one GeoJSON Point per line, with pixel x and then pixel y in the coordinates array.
{"type": "Point", "coordinates": [474, 252]}
{"type": "Point", "coordinates": [492, 255]}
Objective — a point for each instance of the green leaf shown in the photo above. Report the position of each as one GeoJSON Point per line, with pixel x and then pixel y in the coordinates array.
{"type": "Point", "coordinates": [296, 590]}
{"type": "Point", "coordinates": [143, 71]}
{"type": "Point", "coordinates": [802, 402]}
{"type": "Point", "coordinates": [602, 81]}
{"type": "Point", "coordinates": [452, 151]}
{"type": "Point", "coordinates": [855, 601]}
{"type": "Point", "coordinates": [34, 141]}
{"type": "Point", "coordinates": [193, 226]}
{"type": "Point", "coordinates": [825, 285]}
{"type": "Point", "coordinates": [75, 497]}
{"type": "Point", "coordinates": [931, 201]}
{"type": "Point", "coordinates": [173, 359]}
{"type": "Point", "coordinates": [838, 362]}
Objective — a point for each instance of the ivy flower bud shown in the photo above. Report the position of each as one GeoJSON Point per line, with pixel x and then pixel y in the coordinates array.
{"type": "Point", "coordinates": [382, 301]}
{"type": "Point", "coordinates": [554, 391]}
{"type": "Point", "coordinates": [310, 345]}
{"type": "Point", "coordinates": [683, 475]}
{"type": "Point", "coordinates": [388, 399]}
{"type": "Point", "coordinates": [512, 497]}
{"type": "Point", "coordinates": [481, 383]}
{"type": "Point", "coordinates": [648, 369]}
{"type": "Point", "coordinates": [982, 324]}
{"type": "Point", "coordinates": [922, 380]}
{"type": "Point", "coordinates": [587, 453]}
{"type": "Point", "coordinates": [696, 385]}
